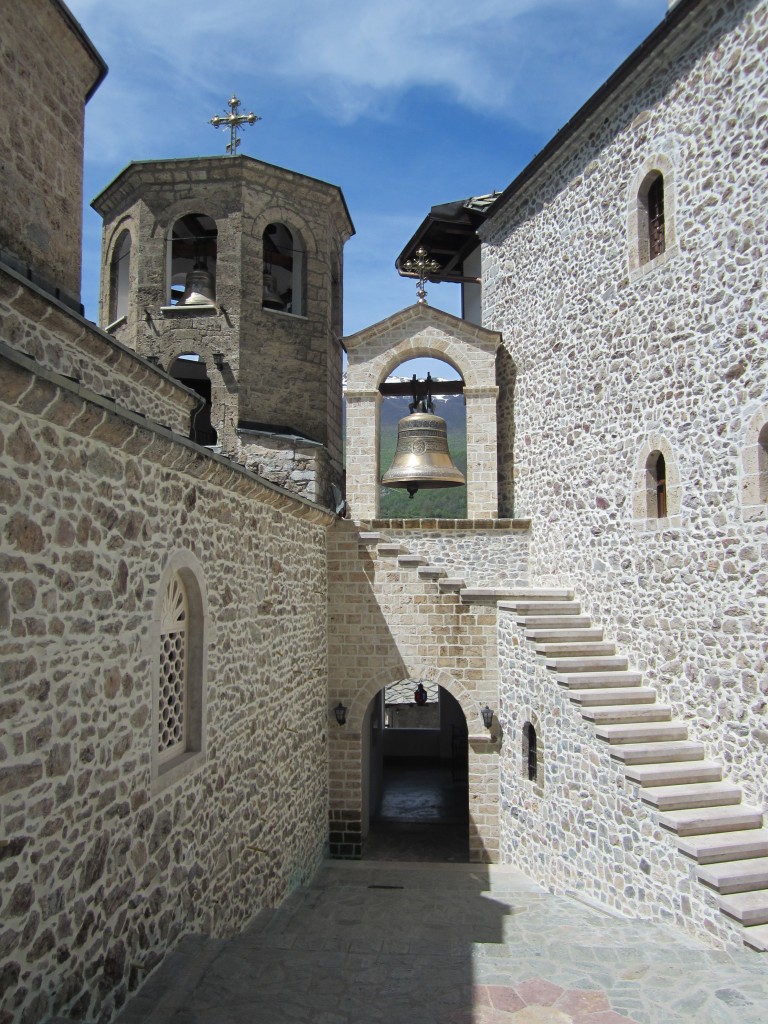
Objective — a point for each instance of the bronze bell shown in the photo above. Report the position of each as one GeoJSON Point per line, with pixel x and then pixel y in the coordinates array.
{"type": "Point", "coordinates": [199, 288]}
{"type": "Point", "coordinates": [422, 458]}
{"type": "Point", "coordinates": [270, 296]}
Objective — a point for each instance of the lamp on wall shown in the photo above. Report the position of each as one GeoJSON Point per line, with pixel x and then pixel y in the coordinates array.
{"type": "Point", "coordinates": [218, 360]}
{"type": "Point", "coordinates": [341, 713]}
{"type": "Point", "coordinates": [487, 716]}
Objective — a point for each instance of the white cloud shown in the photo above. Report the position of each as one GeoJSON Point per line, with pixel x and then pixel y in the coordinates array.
{"type": "Point", "coordinates": [351, 57]}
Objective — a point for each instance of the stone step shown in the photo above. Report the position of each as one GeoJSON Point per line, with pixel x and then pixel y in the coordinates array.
{"type": "Point", "coordinates": [574, 648]}
{"type": "Point", "coordinates": [725, 846]}
{"type": "Point", "coordinates": [756, 938]}
{"type": "Point", "coordinates": [411, 561]}
{"type": "Point", "coordinates": [431, 572]}
{"type": "Point", "coordinates": [658, 753]}
{"type": "Point", "coordinates": [536, 594]}
{"type": "Point", "coordinates": [642, 732]}
{"type": "Point", "coordinates": [673, 774]}
{"type": "Point", "coordinates": [691, 794]}
{"type": "Point", "coordinates": [368, 537]}
{"type": "Point", "coordinates": [593, 680]}
{"type": "Point", "coordinates": [616, 696]}
{"type": "Point", "coordinates": [736, 876]}
{"type": "Point", "coordinates": [609, 663]}
{"type": "Point", "coordinates": [566, 608]}
{"type": "Point", "coordinates": [389, 549]}
{"type": "Point", "coordinates": [749, 908]}
{"type": "Point", "coordinates": [501, 595]}
{"type": "Point", "coordinates": [563, 636]}
{"type": "Point", "coordinates": [699, 821]}
{"type": "Point", "coordinates": [626, 714]}
{"type": "Point", "coordinates": [450, 585]}
{"type": "Point", "coordinates": [535, 621]}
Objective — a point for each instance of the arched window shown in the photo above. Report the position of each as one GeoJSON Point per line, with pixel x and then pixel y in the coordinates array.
{"type": "Point", "coordinates": [530, 752]}
{"type": "Point", "coordinates": [119, 275]}
{"type": "Point", "coordinates": [173, 699]}
{"type": "Point", "coordinates": [762, 463]}
{"type": "Point", "coordinates": [657, 485]}
{"type": "Point", "coordinates": [656, 234]}
{"type": "Point", "coordinates": [192, 261]}
{"type": "Point", "coordinates": [178, 743]}
{"type": "Point", "coordinates": [284, 270]}
{"type": "Point", "coordinates": [192, 371]}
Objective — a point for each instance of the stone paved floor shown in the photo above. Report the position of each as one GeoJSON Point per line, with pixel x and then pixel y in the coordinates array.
{"type": "Point", "coordinates": [372, 942]}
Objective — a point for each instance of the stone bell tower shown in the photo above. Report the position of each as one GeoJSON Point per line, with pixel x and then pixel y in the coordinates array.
{"type": "Point", "coordinates": [227, 271]}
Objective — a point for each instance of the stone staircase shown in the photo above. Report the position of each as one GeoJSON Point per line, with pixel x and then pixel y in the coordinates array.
{"type": "Point", "coordinates": [706, 816]}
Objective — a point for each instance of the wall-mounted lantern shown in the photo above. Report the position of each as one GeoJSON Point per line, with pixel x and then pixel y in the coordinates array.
{"type": "Point", "coordinates": [487, 716]}
{"type": "Point", "coordinates": [341, 713]}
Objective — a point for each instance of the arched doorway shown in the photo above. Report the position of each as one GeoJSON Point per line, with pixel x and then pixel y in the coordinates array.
{"type": "Point", "coordinates": [415, 776]}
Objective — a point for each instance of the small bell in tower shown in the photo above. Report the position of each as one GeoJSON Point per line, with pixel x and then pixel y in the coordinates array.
{"type": "Point", "coordinates": [422, 458]}
{"type": "Point", "coordinates": [270, 296]}
{"type": "Point", "coordinates": [199, 288]}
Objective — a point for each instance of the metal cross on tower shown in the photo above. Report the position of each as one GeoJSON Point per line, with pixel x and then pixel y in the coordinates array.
{"type": "Point", "coordinates": [234, 121]}
{"type": "Point", "coordinates": [422, 266]}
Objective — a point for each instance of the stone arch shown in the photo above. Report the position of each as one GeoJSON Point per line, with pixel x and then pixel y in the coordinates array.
{"type": "Point", "coordinates": [292, 220]}
{"type": "Point", "coordinates": [365, 694]}
{"type": "Point", "coordinates": [644, 486]}
{"type": "Point", "coordinates": [119, 271]}
{"type": "Point", "coordinates": [657, 163]}
{"type": "Point", "coordinates": [191, 243]}
{"type": "Point", "coordinates": [378, 369]}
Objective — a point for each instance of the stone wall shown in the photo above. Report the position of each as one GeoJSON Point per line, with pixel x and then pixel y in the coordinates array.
{"type": "Point", "coordinates": [421, 331]}
{"type": "Point", "coordinates": [581, 827]}
{"type": "Point", "coordinates": [386, 624]}
{"type": "Point", "coordinates": [281, 371]}
{"type": "Point", "coordinates": [612, 362]}
{"type": "Point", "coordinates": [104, 865]}
{"type": "Point", "coordinates": [491, 553]}
{"type": "Point", "coordinates": [48, 68]}
{"type": "Point", "coordinates": [64, 342]}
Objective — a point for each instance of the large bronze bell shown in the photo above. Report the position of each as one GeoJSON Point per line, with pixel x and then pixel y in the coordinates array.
{"type": "Point", "coordinates": [422, 458]}
{"type": "Point", "coordinates": [199, 288]}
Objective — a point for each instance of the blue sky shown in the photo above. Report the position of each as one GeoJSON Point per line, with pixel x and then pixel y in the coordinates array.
{"type": "Point", "coordinates": [403, 105]}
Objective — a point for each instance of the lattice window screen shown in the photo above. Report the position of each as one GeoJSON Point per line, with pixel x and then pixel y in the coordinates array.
{"type": "Point", "coordinates": [172, 731]}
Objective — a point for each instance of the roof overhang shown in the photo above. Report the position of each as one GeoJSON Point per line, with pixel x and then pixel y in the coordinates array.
{"type": "Point", "coordinates": [449, 235]}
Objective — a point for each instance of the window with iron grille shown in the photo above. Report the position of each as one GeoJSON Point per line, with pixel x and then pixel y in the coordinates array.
{"type": "Point", "coordinates": [173, 696]}
{"type": "Point", "coordinates": [656, 217]}
{"type": "Point", "coordinates": [529, 750]}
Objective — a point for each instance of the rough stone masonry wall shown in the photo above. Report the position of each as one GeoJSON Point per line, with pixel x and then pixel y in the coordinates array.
{"type": "Point", "coordinates": [581, 826]}
{"type": "Point", "coordinates": [46, 68]}
{"type": "Point", "coordinates": [611, 365]}
{"type": "Point", "coordinates": [66, 343]}
{"type": "Point", "coordinates": [99, 877]}
{"type": "Point", "coordinates": [386, 624]}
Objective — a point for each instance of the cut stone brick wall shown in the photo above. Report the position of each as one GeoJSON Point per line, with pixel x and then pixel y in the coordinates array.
{"type": "Point", "coordinates": [386, 624]}
{"type": "Point", "coordinates": [102, 870]}
{"type": "Point", "coordinates": [48, 67]}
{"type": "Point", "coordinates": [374, 353]}
{"type": "Point", "coordinates": [610, 362]}
{"type": "Point", "coordinates": [279, 369]}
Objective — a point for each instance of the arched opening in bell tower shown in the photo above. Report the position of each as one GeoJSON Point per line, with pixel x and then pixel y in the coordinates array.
{"type": "Point", "coordinates": [415, 774]}
{"type": "Point", "coordinates": [191, 370]}
{"type": "Point", "coordinates": [429, 502]}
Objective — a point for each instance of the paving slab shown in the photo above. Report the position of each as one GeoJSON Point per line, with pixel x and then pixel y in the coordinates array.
{"type": "Point", "coordinates": [377, 942]}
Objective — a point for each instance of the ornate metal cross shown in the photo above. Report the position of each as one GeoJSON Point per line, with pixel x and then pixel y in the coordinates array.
{"type": "Point", "coordinates": [422, 266]}
{"type": "Point", "coordinates": [234, 121]}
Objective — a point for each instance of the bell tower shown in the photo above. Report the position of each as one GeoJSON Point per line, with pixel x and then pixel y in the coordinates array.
{"type": "Point", "coordinates": [227, 272]}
